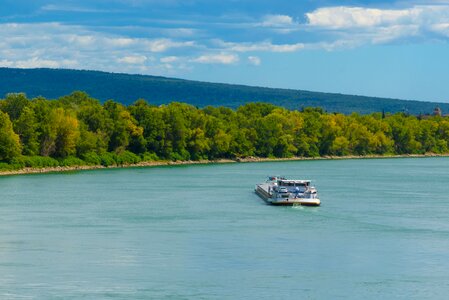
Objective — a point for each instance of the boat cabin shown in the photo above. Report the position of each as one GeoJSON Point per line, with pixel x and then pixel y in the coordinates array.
{"type": "Point", "coordinates": [288, 185]}
{"type": "Point", "coordinates": [284, 186]}
{"type": "Point", "coordinates": [291, 185]}
{"type": "Point", "coordinates": [287, 182]}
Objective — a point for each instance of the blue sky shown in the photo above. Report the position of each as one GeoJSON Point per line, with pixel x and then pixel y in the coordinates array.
{"type": "Point", "coordinates": [396, 49]}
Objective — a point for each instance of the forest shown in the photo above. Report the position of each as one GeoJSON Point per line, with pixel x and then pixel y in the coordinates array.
{"type": "Point", "coordinates": [79, 130]}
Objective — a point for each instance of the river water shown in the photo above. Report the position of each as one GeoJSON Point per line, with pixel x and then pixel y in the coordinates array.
{"type": "Point", "coordinates": [200, 232]}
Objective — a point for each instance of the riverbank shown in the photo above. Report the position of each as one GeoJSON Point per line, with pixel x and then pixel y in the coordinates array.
{"type": "Point", "coordinates": [193, 162]}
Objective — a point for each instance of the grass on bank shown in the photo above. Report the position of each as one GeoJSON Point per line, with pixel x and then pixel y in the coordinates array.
{"type": "Point", "coordinates": [106, 159]}
{"type": "Point", "coordinates": [42, 164]}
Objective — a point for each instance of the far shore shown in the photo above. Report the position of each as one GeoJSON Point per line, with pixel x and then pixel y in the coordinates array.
{"type": "Point", "coordinates": [219, 161]}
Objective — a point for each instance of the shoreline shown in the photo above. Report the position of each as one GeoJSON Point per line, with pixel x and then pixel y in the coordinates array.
{"type": "Point", "coordinates": [25, 171]}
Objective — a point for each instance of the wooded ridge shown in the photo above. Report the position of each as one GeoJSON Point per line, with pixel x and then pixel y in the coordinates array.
{"type": "Point", "coordinates": [126, 88]}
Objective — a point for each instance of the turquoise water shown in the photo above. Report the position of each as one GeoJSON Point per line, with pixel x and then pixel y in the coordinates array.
{"type": "Point", "coordinates": [199, 232]}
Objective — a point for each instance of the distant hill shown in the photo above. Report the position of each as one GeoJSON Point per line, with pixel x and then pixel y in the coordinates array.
{"type": "Point", "coordinates": [126, 88]}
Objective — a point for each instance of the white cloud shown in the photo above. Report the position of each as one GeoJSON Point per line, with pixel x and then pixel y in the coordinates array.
{"type": "Point", "coordinates": [359, 25]}
{"type": "Point", "coordinates": [162, 45]}
{"type": "Point", "coordinates": [169, 59]}
{"type": "Point", "coordinates": [277, 21]}
{"type": "Point", "coordinates": [36, 62]}
{"type": "Point", "coordinates": [254, 60]}
{"type": "Point", "coordinates": [424, 16]}
{"type": "Point", "coordinates": [350, 17]}
{"type": "Point", "coordinates": [72, 8]}
{"type": "Point", "coordinates": [56, 45]}
{"type": "Point", "coordinates": [120, 41]}
{"type": "Point", "coordinates": [81, 40]}
{"type": "Point", "coordinates": [133, 59]}
{"type": "Point", "coordinates": [286, 47]}
{"type": "Point", "coordinates": [260, 46]}
{"type": "Point", "coordinates": [221, 58]}
{"type": "Point", "coordinates": [442, 29]}
{"type": "Point", "coordinates": [180, 32]}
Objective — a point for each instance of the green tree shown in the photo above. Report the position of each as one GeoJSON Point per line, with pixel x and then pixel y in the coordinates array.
{"type": "Point", "coordinates": [125, 127]}
{"type": "Point", "coordinates": [46, 127]}
{"type": "Point", "coordinates": [307, 140]}
{"type": "Point", "coordinates": [67, 133]}
{"type": "Point", "coordinates": [14, 104]}
{"type": "Point", "coordinates": [9, 141]}
{"type": "Point", "coordinates": [26, 127]}
{"type": "Point", "coordinates": [404, 130]}
{"type": "Point", "coordinates": [177, 131]}
{"type": "Point", "coordinates": [340, 146]}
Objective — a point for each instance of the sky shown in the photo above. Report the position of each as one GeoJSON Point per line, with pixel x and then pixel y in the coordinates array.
{"type": "Point", "coordinates": [395, 49]}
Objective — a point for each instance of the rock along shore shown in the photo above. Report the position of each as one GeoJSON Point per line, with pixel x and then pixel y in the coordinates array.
{"type": "Point", "coordinates": [192, 162]}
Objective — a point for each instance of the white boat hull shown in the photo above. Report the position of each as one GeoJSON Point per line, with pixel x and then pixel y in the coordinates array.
{"type": "Point", "coordinates": [262, 190]}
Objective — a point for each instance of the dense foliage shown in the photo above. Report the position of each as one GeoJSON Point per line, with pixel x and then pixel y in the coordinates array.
{"type": "Point", "coordinates": [77, 129]}
{"type": "Point", "coordinates": [54, 83]}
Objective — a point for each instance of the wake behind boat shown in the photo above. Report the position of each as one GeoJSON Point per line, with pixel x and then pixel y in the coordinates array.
{"type": "Point", "coordinates": [282, 191]}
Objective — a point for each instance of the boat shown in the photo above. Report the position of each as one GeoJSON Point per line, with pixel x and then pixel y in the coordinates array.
{"type": "Point", "coordinates": [281, 191]}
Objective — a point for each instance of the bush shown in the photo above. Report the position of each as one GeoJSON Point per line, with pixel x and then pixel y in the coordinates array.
{"type": "Point", "coordinates": [6, 167]}
{"type": "Point", "coordinates": [149, 157]}
{"type": "Point", "coordinates": [92, 158]}
{"type": "Point", "coordinates": [72, 161]}
{"type": "Point", "coordinates": [19, 162]}
{"type": "Point", "coordinates": [39, 162]}
{"type": "Point", "coordinates": [108, 159]}
{"type": "Point", "coordinates": [127, 158]}
{"type": "Point", "coordinates": [183, 156]}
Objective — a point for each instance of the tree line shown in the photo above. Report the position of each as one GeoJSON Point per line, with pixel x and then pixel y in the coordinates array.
{"type": "Point", "coordinates": [77, 129]}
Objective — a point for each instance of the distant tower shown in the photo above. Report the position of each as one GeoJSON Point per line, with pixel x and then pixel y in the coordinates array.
{"type": "Point", "coordinates": [437, 111]}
